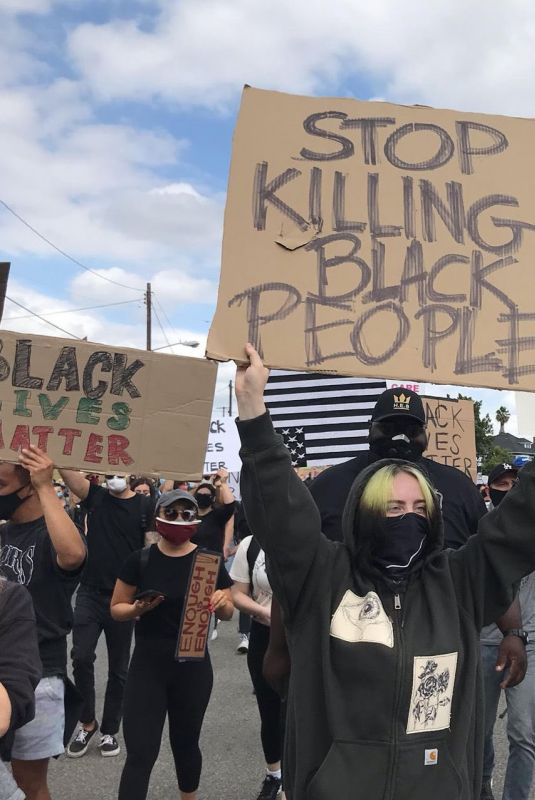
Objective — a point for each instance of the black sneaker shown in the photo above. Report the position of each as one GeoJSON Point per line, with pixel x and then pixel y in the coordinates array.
{"type": "Point", "coordinates": [270, 788]}
{"type": "Point", "coordinates": [109, 746]}
{"type": "Point", "coordinates": [486, 791]}
{"type": "Point", "coordinates": [80, 743]}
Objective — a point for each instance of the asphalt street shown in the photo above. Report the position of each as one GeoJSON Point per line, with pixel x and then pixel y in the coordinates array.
{"type": "Point", "coordinates": [233, 764]}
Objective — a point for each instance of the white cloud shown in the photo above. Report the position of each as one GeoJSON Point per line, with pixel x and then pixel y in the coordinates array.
{"type": "Point", "coordinates": [200, 52]}
{"type": "Point", "coordinates": [173, 286]}
{"type": "Point", "coordinates": [25, 6]}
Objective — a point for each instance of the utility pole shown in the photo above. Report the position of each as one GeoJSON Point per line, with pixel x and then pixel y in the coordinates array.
{"type": "Point", "coordinates": [148, 303]}
{"type": "Point", "coordinates": [230, 387]}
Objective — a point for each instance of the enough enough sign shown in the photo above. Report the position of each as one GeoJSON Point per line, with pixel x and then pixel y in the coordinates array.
{"type": "Point", "coordinates": [104, 409]}
{"type": "Point", "coordinates": [380, 240]}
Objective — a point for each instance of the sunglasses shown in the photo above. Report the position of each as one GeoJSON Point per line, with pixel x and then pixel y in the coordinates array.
{"type": "Point", "coordinates": [185, 514]}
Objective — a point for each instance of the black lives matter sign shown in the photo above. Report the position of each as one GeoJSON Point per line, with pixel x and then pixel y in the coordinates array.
{"type": "Point", "coordinates": [102, 408]}
{"type": "Point", "coordinates": [375, 239]}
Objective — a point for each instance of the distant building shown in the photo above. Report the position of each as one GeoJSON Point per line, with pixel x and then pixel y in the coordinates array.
{"type": "Point", "coordinates": [525, 413]}
{"type": "Point", "coordinates": [521, 449]}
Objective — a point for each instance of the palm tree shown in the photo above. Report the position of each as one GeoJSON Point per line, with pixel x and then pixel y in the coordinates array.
{"type": "Point", "coordinates": [502, 416]}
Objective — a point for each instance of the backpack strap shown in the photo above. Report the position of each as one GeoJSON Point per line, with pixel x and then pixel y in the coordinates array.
{"type": "Point", "coordinates": [144, 561]}
{"type": "Point", "coordinates": [252, 554]}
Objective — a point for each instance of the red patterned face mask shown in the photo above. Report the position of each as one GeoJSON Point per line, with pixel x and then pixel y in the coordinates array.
{"type": "Point", "coordinates": [176, 532]}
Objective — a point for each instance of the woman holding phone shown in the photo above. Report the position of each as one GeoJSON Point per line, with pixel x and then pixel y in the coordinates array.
{"type": "Point", "coordinates": [152, 588]}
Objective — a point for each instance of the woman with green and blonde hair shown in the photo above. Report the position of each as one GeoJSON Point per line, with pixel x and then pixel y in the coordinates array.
{"type": "Point", "coordinates": [385, 698]}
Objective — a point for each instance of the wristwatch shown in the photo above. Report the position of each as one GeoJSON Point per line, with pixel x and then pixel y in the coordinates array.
{"type": "Point", "coordinates": [520, 632]}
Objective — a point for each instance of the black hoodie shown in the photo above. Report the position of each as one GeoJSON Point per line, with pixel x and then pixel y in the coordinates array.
{"type": "Point", "coordinates": [385, 697]}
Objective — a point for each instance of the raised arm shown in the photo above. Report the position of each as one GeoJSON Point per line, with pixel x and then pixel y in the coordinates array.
{"type": "Point", "coordinates": [278, 506]}
{"type": "Point", "coordinates": [77, 483]}
{"type": "Point", "coordinates": [64, 535]}
{"type": "Point", "coordinates": [489, 566]}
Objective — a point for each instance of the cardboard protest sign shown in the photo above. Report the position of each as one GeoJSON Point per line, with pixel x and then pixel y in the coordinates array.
{"type": "Point", "coordinates": [380, 240]}
{"type": "Point", "coordinates": [222, 450]}
{"type": "Point", "coordinates": [104, 409]}
{"type": "Point", "coordinates": [451, 432]}
{"type": "Point", "coordinates": [195, 622]}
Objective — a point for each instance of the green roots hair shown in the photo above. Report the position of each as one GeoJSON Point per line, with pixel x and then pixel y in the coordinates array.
{"type": "Point", "coordinates": [378, 491]}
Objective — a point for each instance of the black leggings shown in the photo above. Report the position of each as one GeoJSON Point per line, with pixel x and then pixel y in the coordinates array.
{"type": "Point", "coordinates": [158, 685]}
{"type": "Point", "coordinates": [269, 704]}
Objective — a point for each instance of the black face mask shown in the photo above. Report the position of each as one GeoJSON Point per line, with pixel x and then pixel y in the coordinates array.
{"type": "Point", "coordinates": [496, 496]}
{"type": "Point", "coordinates": [399, 446]}
{"type": "Point", "coordinates": [400, 543]}
{"type": "Point", "coordinates": [10, 502]}
{"type": "Point", "coordinates": [204, 500]}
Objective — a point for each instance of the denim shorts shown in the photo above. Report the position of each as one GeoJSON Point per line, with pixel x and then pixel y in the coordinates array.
{"type": "Point", "coordinates": [43, 736]}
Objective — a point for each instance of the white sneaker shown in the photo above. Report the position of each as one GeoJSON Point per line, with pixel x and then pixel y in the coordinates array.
{"type": "Point", "coordinates": [243, 646]}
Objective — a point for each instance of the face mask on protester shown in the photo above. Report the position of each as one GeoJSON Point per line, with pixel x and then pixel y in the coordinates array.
{"type": "Point", "coordinates": [400, 542]}
{"type": "Point", "coordinates": [117, 485]}
{"type": "Point", "coordinates": [497, 495]}
{"type": "Point", "coordinates": [10, 502]}
{"type": "Point", "coordinates": [397, 446]}
{"type": "Point", "coordinates": [176, 532]}
{"type": "Point", "coordinates": [204, 500]}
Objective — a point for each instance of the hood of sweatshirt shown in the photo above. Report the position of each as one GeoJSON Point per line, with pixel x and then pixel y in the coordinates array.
{"type": "Point", "coordinates": [360, 529]}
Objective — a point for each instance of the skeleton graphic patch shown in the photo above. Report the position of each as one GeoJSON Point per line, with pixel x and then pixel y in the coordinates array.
{"type": "Point", "coordinates": [362, 619]}
{"type": "Point", "coordinates": [433, 678]}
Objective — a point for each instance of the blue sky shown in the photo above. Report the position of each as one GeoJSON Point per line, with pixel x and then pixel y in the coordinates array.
{"type": "Point", "coordinates": [116, 128]}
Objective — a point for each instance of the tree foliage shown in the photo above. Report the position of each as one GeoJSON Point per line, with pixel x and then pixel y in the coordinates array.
{"type": "Point", "coordinates": [502, 416]}
{"type": "Point", "coordinates": [488, 455]}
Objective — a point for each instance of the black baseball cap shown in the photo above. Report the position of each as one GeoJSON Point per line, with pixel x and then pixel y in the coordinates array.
{"type": "Point", "coordinates": [399, 403]}
{"type": "Point", "coordinates": [500, 470]}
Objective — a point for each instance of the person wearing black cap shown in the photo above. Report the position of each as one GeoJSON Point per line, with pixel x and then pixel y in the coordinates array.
{"type": "Point", "coordinates": [398, 430]}
{"type": "Point", "coordinates": [521, 698]}
{"type": "Point", "coordinates": [501, 479]}
{"type": "Point", "coordinates": [152, 587]}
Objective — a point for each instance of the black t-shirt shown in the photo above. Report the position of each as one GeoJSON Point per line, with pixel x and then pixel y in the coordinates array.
{"type": "Point", "coordinates": [211, 532]}
{"type": "Point", "coordinates": [462, 504]}
{"type": "Point", "coordinates": [28, 557]}
{"type": "Point", "coordinates": [115, 528]}
{"type": "Point", "coordinates": [170, 576]}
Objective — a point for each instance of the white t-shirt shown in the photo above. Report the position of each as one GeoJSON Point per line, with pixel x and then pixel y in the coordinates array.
{"type": "Point", "coordinates": [261, 590]}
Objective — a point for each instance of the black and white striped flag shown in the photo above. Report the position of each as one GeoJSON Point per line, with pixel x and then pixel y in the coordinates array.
{"type": "Point", "coordinates": [323, 419]}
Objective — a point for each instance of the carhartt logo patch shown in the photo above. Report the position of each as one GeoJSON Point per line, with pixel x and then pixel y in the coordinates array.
{"type": "Point", "coordinates": [431, 757]}
{"type": "Point", "coordinates": [402, 402]}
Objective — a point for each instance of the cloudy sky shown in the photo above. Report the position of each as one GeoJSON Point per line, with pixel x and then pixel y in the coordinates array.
{"type": "Point", "coordinates": [116, 128]}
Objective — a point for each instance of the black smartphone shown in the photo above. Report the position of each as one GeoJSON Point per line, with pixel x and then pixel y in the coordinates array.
{"type": "Point", "coordinates": [148, 594]}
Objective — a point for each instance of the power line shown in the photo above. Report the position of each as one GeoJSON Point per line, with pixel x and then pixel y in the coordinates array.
{"type": "Point", "coordinates": [161, 328]}
{"type": "Point", "coordinates": [72, 310]}
{"type": "Point", "coordinates": [66, 255]}
{"type": "Point", "coordinates": [162, 309]}
{"type": "Point", "coordinates": [33, 314]}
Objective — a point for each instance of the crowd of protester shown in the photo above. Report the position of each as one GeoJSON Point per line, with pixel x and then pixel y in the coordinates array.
{"type": "Point", "coordinates": [412, 557]}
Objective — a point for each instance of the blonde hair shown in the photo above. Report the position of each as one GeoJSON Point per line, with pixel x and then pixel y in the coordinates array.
{"type": "Point", "coordinates": [378, 491]}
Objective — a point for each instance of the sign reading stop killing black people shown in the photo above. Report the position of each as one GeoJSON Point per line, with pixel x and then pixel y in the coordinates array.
{"type": "Point", "coordinates": [104, 409]}
{"type": "Point", "coordinates": [380, 240]}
